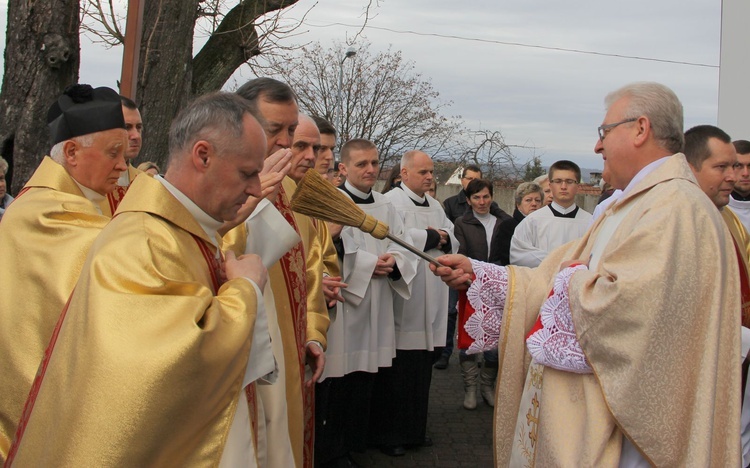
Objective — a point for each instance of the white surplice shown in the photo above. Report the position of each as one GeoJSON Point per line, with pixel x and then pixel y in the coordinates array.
{"type": "Point", "coordinates": [421, 321]}
{"type": "Point", "coordinates": [362, 336]}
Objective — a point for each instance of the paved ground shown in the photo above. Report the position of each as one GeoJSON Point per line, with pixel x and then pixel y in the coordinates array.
{"type": "Point", "coordinates": [462, 438]}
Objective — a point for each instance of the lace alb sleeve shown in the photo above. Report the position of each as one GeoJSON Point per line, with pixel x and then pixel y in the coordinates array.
{"type": "Point", "coordinates": [486, 296]}
{"type": "Point", "coordinates": [555, 344]}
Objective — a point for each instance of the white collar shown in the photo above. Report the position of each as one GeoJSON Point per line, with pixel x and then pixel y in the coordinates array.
{"type": "Point", "coordinates": [562, 210]}
{"type": "Point", "coordinates": [356, 191]}
{"type": "Point", "coordinates": [91, 195]}
{"type": "Point", "coordinates": [124, 180]}
{"type": "Point", "coordinates": [643, 173]}
{"type": "Point", "coordinates": [412, 195]}
{"type": "Point", "coordinates": [209, 224]}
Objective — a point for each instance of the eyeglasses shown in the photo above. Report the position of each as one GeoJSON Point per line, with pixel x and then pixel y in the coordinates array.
{"type": "Point", "coordinates": [604, 129]}
{"type": "Point", "coordinates": [565, 181]}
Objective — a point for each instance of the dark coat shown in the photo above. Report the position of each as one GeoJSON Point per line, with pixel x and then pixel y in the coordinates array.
{"type": "Point", "coordinates": [507, 228]}
{"type": "Point", "coordinates": [457, 206]}
{"type": "Point", "coordinates": [472, 238]}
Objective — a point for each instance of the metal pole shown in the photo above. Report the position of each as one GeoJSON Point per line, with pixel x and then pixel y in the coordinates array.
{"type": "Point", "coordinates": [350, 52]}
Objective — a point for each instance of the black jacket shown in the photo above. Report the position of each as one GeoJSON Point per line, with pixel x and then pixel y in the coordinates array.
{"type": "Point", "coordinates": [472, 238]}
{"type": "Point", "coordinates": [456, 206]}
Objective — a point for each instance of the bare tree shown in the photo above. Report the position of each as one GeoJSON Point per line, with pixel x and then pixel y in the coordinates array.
{"type": "Point", "coordinates": [384, 98]}
{"type": "Point", "coordinates": [487, 149]}
{"type": "Point", "coordinates": [41, 60]}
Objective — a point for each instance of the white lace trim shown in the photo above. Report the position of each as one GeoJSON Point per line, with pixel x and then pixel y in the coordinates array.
{"type": "Point", "coordinates": [487, 296]}
{"type": "Point", "coordinates": [556, 344]}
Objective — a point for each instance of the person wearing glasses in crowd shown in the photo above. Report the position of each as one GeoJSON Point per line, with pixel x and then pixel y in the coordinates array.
{"type": "Point", "coordinates": [556, 224]}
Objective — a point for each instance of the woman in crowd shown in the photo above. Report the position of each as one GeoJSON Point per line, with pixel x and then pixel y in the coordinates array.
{"type": "Point", "coordinates": [394, 178]}
{"type": "Point", "coordinates": [529, 198]}
{"type": "Point", "coordinates": [478, 234]}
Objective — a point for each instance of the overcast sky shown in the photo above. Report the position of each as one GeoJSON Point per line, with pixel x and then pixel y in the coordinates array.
{"type": "Point", "coordinates": [501, 66]}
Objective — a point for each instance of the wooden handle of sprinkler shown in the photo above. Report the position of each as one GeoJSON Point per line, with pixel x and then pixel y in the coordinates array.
{"type": "Point", "coordinates": [418, 253]}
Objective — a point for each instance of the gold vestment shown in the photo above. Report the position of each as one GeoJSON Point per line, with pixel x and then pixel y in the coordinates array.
{"type": "Point", "coordinates": [658, 322]}
{"type": "Point", "coordinates": [148, 365]}
{"type": "Point", "coordinates": [44, 236]}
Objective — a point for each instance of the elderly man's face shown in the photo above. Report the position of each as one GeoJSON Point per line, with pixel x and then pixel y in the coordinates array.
{"type": "Point", "coordinates": [304, 148]}
{"type": "Point", "coordinates": [98, 166]}
{"type": "Point", "coordinates": [234, 175]}
{"type": "Point", "coordinates": [419, 175]}
{"type": "Point", "coordinates": [280, 123]}
{"type": "Point", "coordinates": [716, 175]}
{"type": "Point", "coordinates": [616, 148]}
{"type": "Point", "coordinates": [324, 162]}
{"type": "Point", "coordinates": [134, 127]}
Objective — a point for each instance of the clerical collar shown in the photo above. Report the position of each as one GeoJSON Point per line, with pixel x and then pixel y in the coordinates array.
{"type": "Point", "coordinates": [209, 225]}
{"type": "Point", "coordinates": [555, 206]}
{"type": "Point", "coordinates": [739, 197]}
{"type": "Point", "coordinates": [558, 214]}
{"type": "Point", "coordinates": [352, 190]}
{"type": "Point", "coordinates": [419, 201]}
{"type": "Point", "coordinates": [643, 173]}
{"type": "Point", "coordinates": [94, 197]}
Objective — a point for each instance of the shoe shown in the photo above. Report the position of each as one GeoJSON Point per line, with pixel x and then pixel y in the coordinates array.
{"type": "Point", "coordinates": [442, 362]}
{"type": "Point", "coordinates": [470, 374]}
{"type": "Point", "coordinates": [342, 462]}
{"type": "Point", "coordinates": [393, 450]}
{"type": "Point", "coordinates": [487, 377]}
{"type": "Point", "coordinates": [427, 442]}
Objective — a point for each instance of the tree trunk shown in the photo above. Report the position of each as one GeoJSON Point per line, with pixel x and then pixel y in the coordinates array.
{"type": "Point", "coordinates": [42, 56]}
{"type": "Point", "coordinates": [165, 71]}
{"type": "Point", "coordinates": [234, 43]}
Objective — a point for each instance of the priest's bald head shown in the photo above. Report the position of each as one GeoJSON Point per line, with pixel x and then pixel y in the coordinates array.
{"type": "Point", "coordinates": [88, 136]}
{"type": "Point", "coordinates": [643, 123]}
{"type": "Point", "coordinates": [216, 151]}
{"type": "Point", "coordinates": [417, 171]}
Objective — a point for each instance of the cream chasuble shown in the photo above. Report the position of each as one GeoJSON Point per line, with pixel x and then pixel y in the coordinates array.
{"type": "Point", "coordinates": [45, 236]}
{"type": "Point", "coordinates": [657, 321]}
{"type": "Point", "coordinates": [149, 360]}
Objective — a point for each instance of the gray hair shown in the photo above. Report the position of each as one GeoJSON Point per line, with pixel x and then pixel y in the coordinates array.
{"type": "Point", "coordinates": [662, 107]}
{"type": "Point", "coordinates": [56, 153]}
{"type": "Point", "coordinates": [215, 117]}
{"type": "Point", "coordinates": [526, 188]}
{"type": "Point", "coordinates": [3, 166]}
{"type": "Point", "coordinates": [540, 179]}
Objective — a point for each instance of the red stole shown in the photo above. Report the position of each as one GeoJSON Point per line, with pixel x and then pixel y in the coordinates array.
{"type": "Point", "coordinates": [293, 267]}
{"type": "Point", "coordinates": [115, 197]}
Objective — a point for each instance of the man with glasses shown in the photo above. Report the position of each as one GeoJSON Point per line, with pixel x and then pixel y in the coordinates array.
{"type": "Point", "coordinates": [554, 225]}
{"type": "Point", "coordinates": [634, 356]}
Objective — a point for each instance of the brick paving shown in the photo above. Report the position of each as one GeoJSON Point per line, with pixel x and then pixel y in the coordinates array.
{"type": "Point", "coordinates": [462, 438]}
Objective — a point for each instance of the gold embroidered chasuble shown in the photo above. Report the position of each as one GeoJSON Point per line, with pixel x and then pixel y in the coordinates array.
{"type": "Point", "coordinates": [742, 242]}
{"type": "Point", "coordinates": [112, 200]}
{"type": "Point", "coordinates": [149, 361]}
{"type": "Point", "coordinates": [657, 319]}
{"type": "Point", "coordinates": [296, 282]}
{"type": "Point", "coordinates": [45, 236]}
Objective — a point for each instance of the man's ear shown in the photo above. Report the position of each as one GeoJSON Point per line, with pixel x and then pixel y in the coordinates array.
{"type": "Point", "coordinates": [644, 130]}
{"type": "Point", "coordinates": [70, 151]}
{"type": "Point", "coordinates": [342, 169]}
{"type": "Point", "coordinates": [202, 155]}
